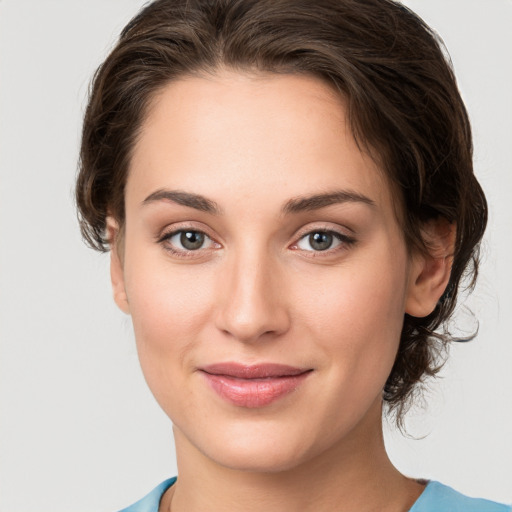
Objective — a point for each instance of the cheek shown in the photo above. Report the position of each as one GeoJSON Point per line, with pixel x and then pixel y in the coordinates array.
{"type": "Point", "coordinates": [360, 297]}
{"type": "Point", "coordinates": [357, 316]}
{"type": "Point", "coordinates": [169, 306]}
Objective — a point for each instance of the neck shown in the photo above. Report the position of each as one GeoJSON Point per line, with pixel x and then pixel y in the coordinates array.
{"type": "Point", "coordinates": [355, 474]}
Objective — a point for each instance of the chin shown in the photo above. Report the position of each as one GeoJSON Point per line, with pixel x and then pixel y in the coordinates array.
{"type": "Point", "coordinates": [258, 457]}
{"type": "Point", "coordinates": [259, 447]}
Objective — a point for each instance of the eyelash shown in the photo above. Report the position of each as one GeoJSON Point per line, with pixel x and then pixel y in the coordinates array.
{"type": "Point", "coordinates": [344, 240]}
{"type": "Point", "coordinates": [165, 238]}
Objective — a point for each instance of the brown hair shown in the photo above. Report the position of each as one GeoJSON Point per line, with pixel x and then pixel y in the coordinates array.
{"type": "Point", "coordinates": [403, 104]}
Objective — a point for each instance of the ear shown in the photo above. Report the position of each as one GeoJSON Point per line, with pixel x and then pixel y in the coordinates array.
{"type": "Point", "coordinates": [116, 266]}
{"type": "Point", "coordinates": [430, 273]}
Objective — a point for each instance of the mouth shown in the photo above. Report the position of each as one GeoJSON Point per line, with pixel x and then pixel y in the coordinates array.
{"type": "Point", "coordinates": [253, 386]}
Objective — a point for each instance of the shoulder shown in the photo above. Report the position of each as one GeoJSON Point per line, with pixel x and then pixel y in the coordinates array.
{"type": "Point", "coordinates": [441, 498]}
{"type": "Point", "coordinates": [151, 501]}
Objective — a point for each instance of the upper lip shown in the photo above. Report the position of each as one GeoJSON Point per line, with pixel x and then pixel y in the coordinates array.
{"type": "Point", "coordinates": [253, 371]}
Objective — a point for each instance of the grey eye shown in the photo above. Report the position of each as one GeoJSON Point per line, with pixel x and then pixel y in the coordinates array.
{"type": "Point", "coordinates": [319, 241]}
{"type": "Point", "coordinates": [188, 240]}
{"type": "Point", "coordinates": [191, 240]}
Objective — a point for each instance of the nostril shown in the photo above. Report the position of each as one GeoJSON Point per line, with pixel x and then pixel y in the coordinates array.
{"type": "Point", "coordinates": [250, 304]}
{"type": "Point", "coordinates": [263, 324]}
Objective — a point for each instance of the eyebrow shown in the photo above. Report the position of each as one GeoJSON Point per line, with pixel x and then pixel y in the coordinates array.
{"type": "Point", "coordinates": [317, 201]}
{"type": "Point", "coordinates": [294, 205]}
{"type": "Point", "coordinates": [189, 199]}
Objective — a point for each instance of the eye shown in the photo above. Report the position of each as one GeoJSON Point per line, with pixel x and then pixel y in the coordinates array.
{"type": "Point", "coordinates": [321, 240]}
{"type": "Point", "coordinates": [187, 240]}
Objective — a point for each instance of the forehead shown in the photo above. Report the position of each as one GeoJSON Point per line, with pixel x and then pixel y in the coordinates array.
{"type": "Point", "coordinates": [244, 132]}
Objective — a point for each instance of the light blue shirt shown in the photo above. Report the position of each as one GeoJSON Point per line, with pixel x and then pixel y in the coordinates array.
{"type": "Point", "coordinates": [435, 498]}
{"type": "Point", "coordinates": [440, 498]}
{"type": "Point", "coordinates": [151, 501]}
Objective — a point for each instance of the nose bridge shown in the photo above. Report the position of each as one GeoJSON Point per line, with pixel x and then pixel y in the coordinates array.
{"type": "Point", "coordinates": [252, 304]}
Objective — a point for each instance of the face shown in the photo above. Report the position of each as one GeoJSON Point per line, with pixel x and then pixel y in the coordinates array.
{"type": "Point", "coordinates": [263, 267]}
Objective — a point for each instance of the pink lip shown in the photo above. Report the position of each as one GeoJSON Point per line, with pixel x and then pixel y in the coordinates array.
{"type": "Point", "coordinates": [253, 386]}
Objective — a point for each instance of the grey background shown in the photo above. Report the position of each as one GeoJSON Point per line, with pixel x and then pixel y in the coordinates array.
{"type": "Point", "coordinates": [79, 431]}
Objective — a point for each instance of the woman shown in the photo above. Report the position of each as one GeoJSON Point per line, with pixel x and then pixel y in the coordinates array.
{"type": "Point", "coordinates": [287, 192]}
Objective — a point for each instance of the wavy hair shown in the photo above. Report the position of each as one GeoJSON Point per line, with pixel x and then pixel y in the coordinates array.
{"type": "Point", "coordinates": [403, 102]}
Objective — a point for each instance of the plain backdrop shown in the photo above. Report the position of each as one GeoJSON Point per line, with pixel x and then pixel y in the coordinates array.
{"type": "Point", "coordinates": [79, 431]}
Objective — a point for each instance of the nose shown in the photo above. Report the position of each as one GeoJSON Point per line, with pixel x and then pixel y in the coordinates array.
{"type": "Point", "coordinates": [252, 302]}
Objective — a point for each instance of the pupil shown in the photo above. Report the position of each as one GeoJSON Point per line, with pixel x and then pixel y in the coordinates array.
{"type": "Point", "coordinates": [191, 240]}
{"type": "Point", "coordinates": [320, 241]}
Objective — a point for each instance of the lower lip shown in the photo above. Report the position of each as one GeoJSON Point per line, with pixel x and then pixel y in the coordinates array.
{"type": "Point", "coordinates": [253, 393]}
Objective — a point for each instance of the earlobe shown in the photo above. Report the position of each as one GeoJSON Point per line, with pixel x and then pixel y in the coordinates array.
{"type": "Point", "coordinates": [430, 273]}
{"type": "Point", "coordinates": [116, 266]}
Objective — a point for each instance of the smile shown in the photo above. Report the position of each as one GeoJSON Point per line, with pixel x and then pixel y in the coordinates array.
{"type": "Point", "coordinates": [253, 386]}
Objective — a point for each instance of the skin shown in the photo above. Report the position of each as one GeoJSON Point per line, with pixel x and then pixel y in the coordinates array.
{"type": "Point", "coordinates": [257, 291]}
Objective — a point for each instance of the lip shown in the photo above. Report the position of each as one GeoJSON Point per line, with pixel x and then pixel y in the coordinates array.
{"type": "Point", "coordinates": [253, 386]}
